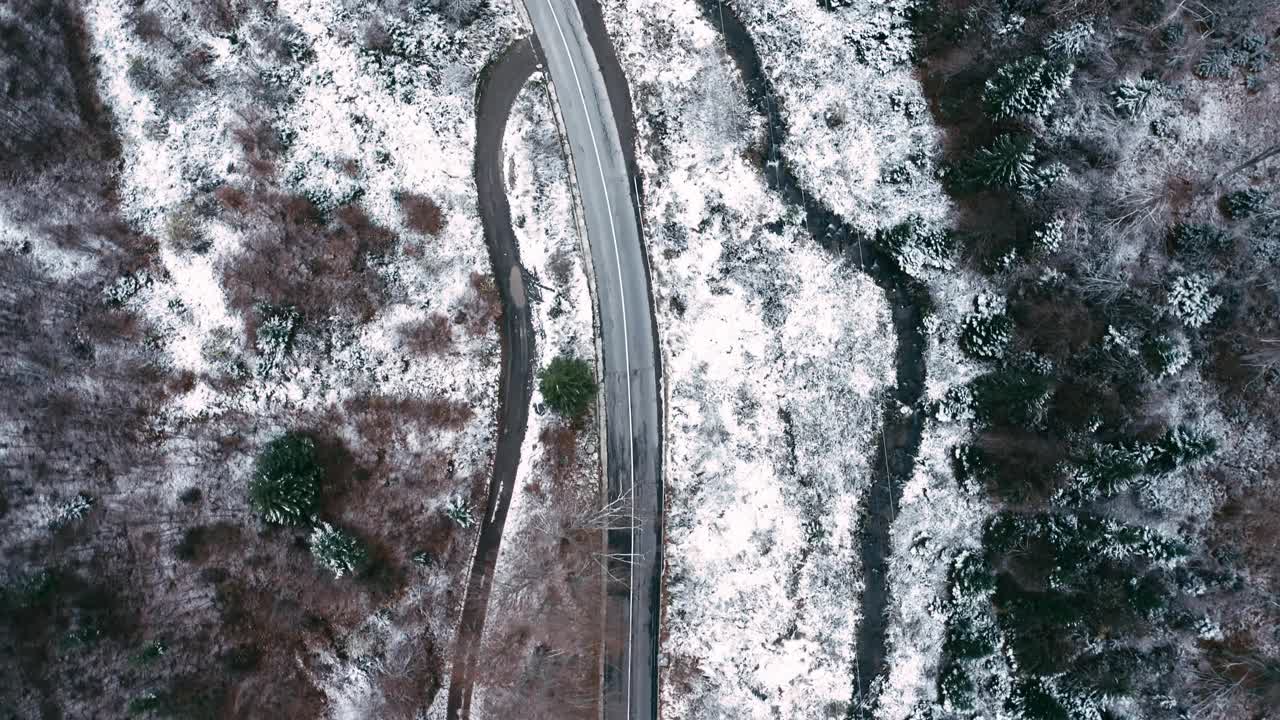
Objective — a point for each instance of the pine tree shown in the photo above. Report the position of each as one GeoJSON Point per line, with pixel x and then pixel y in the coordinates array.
{"type": "Point", "coordinates": [1179, 447]}
{"type": "Point", "coordinates": [1025, 88]}
{"type": "Point", "coordinates": [1132, 97]}
{"type": "Point", "coordinates": [338, 550]}
{"type": "Point", "coordinates": [1047, 238]}
{"type": "Point", "coordinates": [1243, 203]}
{"type": "Point", "coordinates": [459, 511]}
{"type": "Point", "coordinates": [285, 487]}
{"type": "Point", "coordinates": [918, 249]}
{"type": "Point", "coordinates": [1191, 301]}
{"type": "Point", "coordinates": [986, 331]}
{"type": "Point", "coordinates": [568, 386]}
{"type": "Point", "coordinates": [1070, 43]}
{"type": "Point", "coordinates": [1166, 355]}
{"type": "Point", "coordinates": [1010, 162]}
{"type": "Point", "coordinates": [1198, 239]}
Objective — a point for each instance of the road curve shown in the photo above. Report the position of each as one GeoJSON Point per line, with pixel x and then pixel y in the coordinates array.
{"type": "Point", "coordinates": [607, 188]}
{"type": "Point", "coordinates": [500, 83]}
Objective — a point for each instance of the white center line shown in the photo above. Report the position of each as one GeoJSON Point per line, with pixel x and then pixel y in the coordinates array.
{"type": "Point", "coordinates": [626, 353]}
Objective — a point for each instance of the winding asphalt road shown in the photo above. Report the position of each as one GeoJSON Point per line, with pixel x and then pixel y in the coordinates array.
{"type": "Point", "coordinates": [584, 74]}
{"type": "Point", "coordinates": [594, 108]}
{"type": "Point", "coordinates": [499, 86]}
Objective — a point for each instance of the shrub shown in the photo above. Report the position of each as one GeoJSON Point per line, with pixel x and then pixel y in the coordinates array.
{"type": "Point", "coordinates": [918, 249]}
{"type": "Point", "coordinates": [568, 386]}
{"type": "Point", "coordinates": [1243, 203]}
{"type": "Point", "coordinates": [1131, 97]}
{"type": "Point", "coordinates": [459, 511]}
{"type": "Point", "coordinates": [432, 336]}
{"type": "Point", "coordinates": [285, 487]}
{"type": "Point", "coordinates": [338, 550]}
{"type": "Point", "coordinates": [125, 288]}
{"type": "Point", "coordinates": [421, 213]}
{"type": "Point", "coordinates": [986, 331]}
{"type": "Point", "coordinates": [1191, 301]}
{"type": "Point", "coordinates": [1026, 87]}
{"type": "Point", "coordinates": [186, 233]}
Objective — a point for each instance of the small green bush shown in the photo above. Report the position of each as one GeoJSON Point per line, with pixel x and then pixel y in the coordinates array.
{"type": "Point", "coordinates": [338, 550]}
{"type": "Point", "coordinates": [568, 386]}
{"type": "Point", "coordinates": [32, 591]}
{"type": "Point", "coordinates": [145, 703]}
{"type": "Point", "coordinates": [150, 653]}
{"type": "Point", "coordinates": [285, 487]}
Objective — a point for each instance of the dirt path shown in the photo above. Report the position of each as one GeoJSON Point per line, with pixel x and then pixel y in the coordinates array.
{"type": "Point", "coordinates": [500, 83]}
{"type": "Point", "coordinates": [893, 460]}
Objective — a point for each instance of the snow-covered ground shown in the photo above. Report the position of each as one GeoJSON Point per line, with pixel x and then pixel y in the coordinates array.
{"type": "Point", "coordinates": [854, 107]}
{"type": "Point", "coordinates": [775, 355]}
{"type": "Point", "coordinates": [357, 111]}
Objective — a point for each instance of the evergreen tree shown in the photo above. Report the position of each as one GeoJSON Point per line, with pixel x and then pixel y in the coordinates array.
{"type": "Point", "coordinates": [1010, 162]}
{"type": "Point", "coordinates": [1131, 97]}
{"type": "Point", "coordinates": [1191, 300]}
{"type": "Point", "coordinates": [285, 487]}
{"type": "Point", "coordinates": [985, 333]}
{"type": "Point", "coordinates": [568, 386]}
{"type": "Point", "coordinates": [1243, 203]}
{"type": "Point", "coordinates": [459, 511]}
{"type": "Point", "coordinates": [1026, 87]}
{"type": "Point", "coordinates": [918, 249]}
{"type": "Point", "coordinates": [1197, 240]}
{"type": "Point", "coordinates": [338, 550]}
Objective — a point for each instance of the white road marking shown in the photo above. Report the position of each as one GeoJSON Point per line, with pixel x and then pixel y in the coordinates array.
{"type": "Point", "coordinates": [626, 352]}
